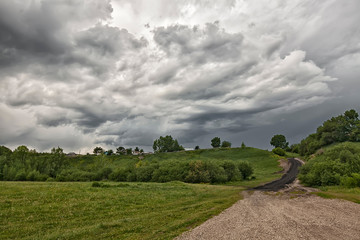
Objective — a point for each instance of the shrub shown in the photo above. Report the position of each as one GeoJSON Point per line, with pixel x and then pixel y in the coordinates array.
{"type": "Point", "coordinates": [226, 144]}
{"type": "Point", "coordinates": [246, 170]}
{"type": "Point", "coordinates": [198, 173]}
{"type": "Point", "coordinates": [279, 151]}
{"type": "Point", "coordinates": [231, 170]}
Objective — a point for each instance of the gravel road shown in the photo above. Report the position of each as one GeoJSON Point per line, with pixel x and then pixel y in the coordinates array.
{"type": "Point", "coordinates": [291, 213]}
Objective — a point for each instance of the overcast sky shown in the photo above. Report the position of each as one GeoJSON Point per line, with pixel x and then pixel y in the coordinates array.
{"type": "Point", "coordinates": [85, 73]}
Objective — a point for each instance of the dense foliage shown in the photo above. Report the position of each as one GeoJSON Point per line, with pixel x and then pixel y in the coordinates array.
{"type": "Point", "coordinates": [345, 127]}
{"type": "Point", "coordinates": [279, 151]}
{"type": "Point", "coordinates": [279, 141]}
{"type": "Point", "coordinates": [215, 142]}
{"type": "Point", "coordinates": [336, 165]}
{"type": "Point", "coordinates": [166, 144]}
{"type": "Point", "coordinates": [26, 165]}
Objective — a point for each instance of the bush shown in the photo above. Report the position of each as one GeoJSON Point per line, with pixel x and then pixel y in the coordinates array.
{"type": "Point", "coordinates": [246, 170]}
{"type": "Point", "coordinates": [198, 173]}
{"type": "Point", "coordinates": [231, 170]}
{"type": "Point", "coordinates": [279, 151]}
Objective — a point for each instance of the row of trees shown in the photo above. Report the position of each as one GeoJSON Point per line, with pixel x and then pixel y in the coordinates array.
{"type": "Point", "coordinates": [24, 164]}
{"type": "Point", "coordinates": [119, 151]}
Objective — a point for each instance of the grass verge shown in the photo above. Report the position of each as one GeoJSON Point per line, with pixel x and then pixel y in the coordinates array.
{"type": "Point", "coordinates": [350, 194]}
{"type": "Point", "coordinates": [43, 210]}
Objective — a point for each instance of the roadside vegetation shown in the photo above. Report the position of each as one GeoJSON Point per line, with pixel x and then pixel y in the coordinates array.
{"type": "Point", "coordinates": [333, 157]}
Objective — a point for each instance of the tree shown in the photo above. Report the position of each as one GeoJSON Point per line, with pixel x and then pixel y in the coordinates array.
{"type": "Point", "coordinates": [141, 150]}
{"type": "Point", "coordinates": [137, 149]}
{"type": "Point", "coordinates": [98, 150]}
{"type": "Point", "coordinates": [167, 144]}
{"type": "Point", "coordinates": [279, 141]}
{"type": "Point", "coordinates": [109, 152]}
{"type": "Point", "coordinates": [226, 144]}
{"type": "Point", "coordinates": [128, 151]}
{"type": "Point", "coordinates": [243, 145]}
{"type": "Point", "coordinates": [5, 151]}
{"type": "Point", "coordinates": [215, 142]}
{"type": "Point", "coordinates": [197, 147]}
{"type": "Point", "coordinates": [120, 150]}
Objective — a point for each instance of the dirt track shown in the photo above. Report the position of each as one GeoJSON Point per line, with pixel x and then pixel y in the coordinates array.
{"type": "Point", "coordinates": [291, 213]}
{"type": "Point", "coordinates": [287, 178]}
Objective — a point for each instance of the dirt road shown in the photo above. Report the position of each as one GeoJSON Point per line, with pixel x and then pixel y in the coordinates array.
{"type": "Point", "coordinates": [287, 178]}
{"type": "Point", "coordinates": [291, 213]}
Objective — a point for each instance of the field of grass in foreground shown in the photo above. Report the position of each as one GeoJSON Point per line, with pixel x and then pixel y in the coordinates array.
{"type": "Point", "coordinates": [52, 210]}
{"type": "Point", "coordinates": [350, 194]}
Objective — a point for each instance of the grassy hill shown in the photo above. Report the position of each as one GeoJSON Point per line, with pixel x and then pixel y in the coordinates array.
{"type": "Point", "coordinates": [264, 163]}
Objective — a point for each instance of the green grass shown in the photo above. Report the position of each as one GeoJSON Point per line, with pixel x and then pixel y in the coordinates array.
{"type": "Point", "coordinates": [56, 210]}
{"type": "Point", "coordinates": [35, 210]}
{"type": "Point", "coordinates": [350, 194]}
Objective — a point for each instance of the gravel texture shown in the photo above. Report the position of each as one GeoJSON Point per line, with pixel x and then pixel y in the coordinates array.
{"type": "Point", "coordinates": [282, 216]}
{"type": "Point", "coordinates": [291, 213]}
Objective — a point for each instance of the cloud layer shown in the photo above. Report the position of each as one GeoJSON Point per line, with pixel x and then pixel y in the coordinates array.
{"type": "Point", "coordinates": [74, 74]}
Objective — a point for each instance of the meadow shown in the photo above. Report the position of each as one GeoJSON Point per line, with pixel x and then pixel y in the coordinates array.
{"type": "Point", "coordinates": [53, 210]}
{"type": "Point", "coordinates": [125, 210]}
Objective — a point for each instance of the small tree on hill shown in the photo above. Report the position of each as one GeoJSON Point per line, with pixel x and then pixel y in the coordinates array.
{"type": "Point", "coordinates": [98, 150]}
{"type": "Point", "coordinates": [128, 151]}
{"type": "Point", "coordinates": [226, 144]}
{"type": "Point", "coordinates": [167, 144]}
{"type": "Point", "coordinates": [243, 145]}
{"type": "Point", "coordinates": [197, 147]}
{"type": "Point", "coordinates": [215, 142]}
{"type": "Point", "coordinates": [279, 141]}
{"type": "Point", "coordinates": [120, 150]}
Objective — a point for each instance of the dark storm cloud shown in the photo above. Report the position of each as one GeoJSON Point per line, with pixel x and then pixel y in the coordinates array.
{"type": "Point", "coordinates": [77, 73]}
{"type": "Point", "coordinates": [205, 44]}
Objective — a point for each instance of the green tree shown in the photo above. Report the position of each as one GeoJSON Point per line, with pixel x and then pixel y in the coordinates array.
{"type": "Point", "coordinates": [5, 151]}
{"type": "Point", "coordinates": [128, 151]}
{"type": "Point", "coordinates": [279, 141]}
{"type": "Point", "coordinates": [167, 144]}
{"type": "Point", "coordinates": [137, 149]}
{"type": "Point", "coordinates": [226, 144]}
{"type": "Point", "coordinates": [197, 147]}
{"type": "Point", "coordinates": [98, 150]}
{"type": "Point", "coordinates": [243, 145]}
{"type": "Point", "coordinates": [215, 142]}
{"type": "Point", "coordinates": [120, 150]}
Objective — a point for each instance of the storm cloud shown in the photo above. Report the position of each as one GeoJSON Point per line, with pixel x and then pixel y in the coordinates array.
{"type": "Point", "coordinates": [77, 74]}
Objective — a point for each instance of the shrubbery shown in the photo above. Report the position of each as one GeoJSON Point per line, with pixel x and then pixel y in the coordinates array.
{"type": "Point", "coordinates": [279, 151]}
{"type": "Point", "coordinates": [25, 165]}
{"type": "Point", "coordinates": [335, 166]}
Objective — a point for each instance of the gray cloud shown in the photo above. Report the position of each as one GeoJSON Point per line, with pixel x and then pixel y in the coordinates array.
{"type": "Point", "coordinates": [73, 74]}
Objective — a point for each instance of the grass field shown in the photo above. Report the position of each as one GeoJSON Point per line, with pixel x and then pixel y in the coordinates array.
{"type": "Point", "coordinates": [35, 210]}
{"type": "Point", "coordinates": [350, 194]}
{"type": "Point", "coordinates": [118, 210]}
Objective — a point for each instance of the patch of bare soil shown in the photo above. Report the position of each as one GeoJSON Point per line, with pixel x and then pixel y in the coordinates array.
{"type": "Point", "coordinates": [290, 214]}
